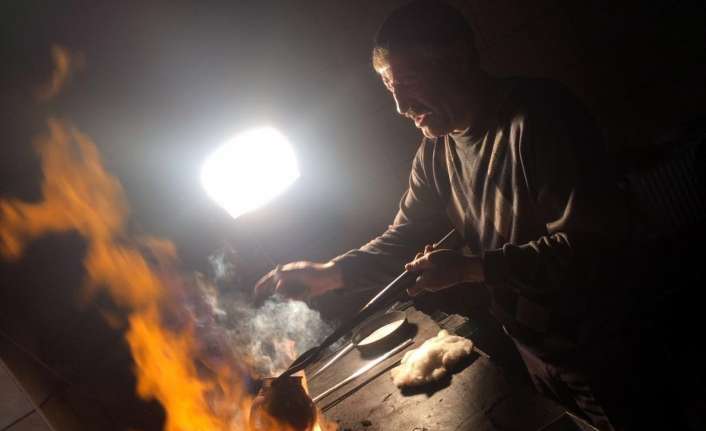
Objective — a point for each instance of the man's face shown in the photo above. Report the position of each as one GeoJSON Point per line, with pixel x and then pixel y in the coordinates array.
{"type": "Point", "coordinates": [424, 94]}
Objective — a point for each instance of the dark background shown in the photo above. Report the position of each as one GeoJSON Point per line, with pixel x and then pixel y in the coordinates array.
{"type": "Point", "coordinates": [165, 83]}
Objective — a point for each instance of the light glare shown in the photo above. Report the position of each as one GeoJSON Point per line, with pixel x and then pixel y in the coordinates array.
{"type": "Point", "coordinates": [250, 170]}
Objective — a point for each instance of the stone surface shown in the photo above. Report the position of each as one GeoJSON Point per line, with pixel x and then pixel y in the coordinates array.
{"type": "Point", "coordinates": [33, 422]}
{"type": "Point", "coordinates": [477, 396]}
{"type": "Point", "coordinates": [13, 402]}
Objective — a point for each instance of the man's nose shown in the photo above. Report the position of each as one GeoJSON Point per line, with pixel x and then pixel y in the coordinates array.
{"type": "Point", "coordinates": [401, 102]}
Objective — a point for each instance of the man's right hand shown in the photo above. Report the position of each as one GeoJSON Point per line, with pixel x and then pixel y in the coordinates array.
{"type": "Point", "coordinates": [299, 280]}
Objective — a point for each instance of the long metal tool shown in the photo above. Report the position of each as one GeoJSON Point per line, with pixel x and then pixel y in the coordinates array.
{"type": "Point", "coordinates": [350, 346]}
{"type": "Point", "coordinates": [395, 286]}
{"type": "Point", "coordinates": [335, 358]}
{"type": "Point", "coordinates": [480, 352]}
{"type": "Point", "coordinates": [364, 369]}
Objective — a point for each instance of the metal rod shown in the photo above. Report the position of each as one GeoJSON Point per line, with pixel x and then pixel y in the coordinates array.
{"type": "Point", "coordinates": [405, 274]}
{"type": "Point", "coordinates": [481, 353]}
{"type": "Point", "coordinates": [364, 368]}
{"type": "Point", "coordinates": [394, 286]}
{"type": "Point", "coordinates": [336, 357]}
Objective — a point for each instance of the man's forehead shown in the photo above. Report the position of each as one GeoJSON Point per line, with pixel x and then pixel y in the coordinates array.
{"type": "Point", "coordinates": [402, 65]}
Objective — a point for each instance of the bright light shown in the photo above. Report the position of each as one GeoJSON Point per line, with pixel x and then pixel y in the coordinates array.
{"type": "Point", "coordinates": [250, 170]}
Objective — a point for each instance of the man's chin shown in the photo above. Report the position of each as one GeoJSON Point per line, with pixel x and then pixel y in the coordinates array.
{"type": "Point", "coordinates": [432, 133]}
{"type": "Point", "coordinates": [428, 133]}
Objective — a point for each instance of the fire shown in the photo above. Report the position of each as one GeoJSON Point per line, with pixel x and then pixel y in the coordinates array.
{"type": "Point", "coordinates": [174, 364]}
{"type": "Point", "coordinates": [65, 63]}
{"type": "Point", "coordinates": [78, 194]}
{"type": "Point", "coordinates": [168, 373]}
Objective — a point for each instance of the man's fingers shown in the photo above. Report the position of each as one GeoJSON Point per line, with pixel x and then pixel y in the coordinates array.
{"type": "Point", "coordinates": [264, 285]}
{"type": "Point", "coordinates": [290, 287]}
{"type": "Point", "coordinates": [428, 249]}
{"type": "Point", "coordinates": [264, 288]}
{"type": "Point", "coordinates": [422, 284]}
{"type": "Point", "coordinates": [419, 264]}
{"type": "Point", "coordinates": [429, 281]}
{"type": "Point", "coordinates": [268, 284]}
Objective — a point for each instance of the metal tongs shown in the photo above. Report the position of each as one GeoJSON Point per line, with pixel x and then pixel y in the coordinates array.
{"type": "Point", "coordinates": [365, 368]}
{"type": "Point", "coordinates": [394, 287]}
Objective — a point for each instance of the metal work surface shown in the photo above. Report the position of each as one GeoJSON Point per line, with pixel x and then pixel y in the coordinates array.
{"type": "Point", "coordinates": [477, 396]}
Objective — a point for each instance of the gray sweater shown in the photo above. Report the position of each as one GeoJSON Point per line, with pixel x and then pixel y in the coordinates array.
{"type": "Point", "coordinates": [531, 191]}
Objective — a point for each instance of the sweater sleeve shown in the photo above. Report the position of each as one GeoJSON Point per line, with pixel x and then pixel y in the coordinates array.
{"type": "Point", "coordinates": [420, 220]}
{"type": "Point", "coordinates": [572, 187]}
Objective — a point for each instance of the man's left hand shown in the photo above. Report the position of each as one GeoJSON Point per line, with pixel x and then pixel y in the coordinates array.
{"type": "Point", "coordinates": [443, 268]}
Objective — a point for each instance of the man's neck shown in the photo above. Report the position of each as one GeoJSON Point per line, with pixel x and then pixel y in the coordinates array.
{"type": "Point", "coordinates": [486, 93]}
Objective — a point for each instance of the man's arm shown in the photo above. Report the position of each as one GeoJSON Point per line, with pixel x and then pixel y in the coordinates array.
{"type": "Point", "coordinates": [420, 220]}
{"type": "Point", "coordinates": [559, 284]}
{"type": "Point", "coordinates": [572, 185]}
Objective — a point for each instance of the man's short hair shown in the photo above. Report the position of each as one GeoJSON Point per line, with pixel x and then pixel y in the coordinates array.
{"type": "Point", "coordinates": [430, 28]}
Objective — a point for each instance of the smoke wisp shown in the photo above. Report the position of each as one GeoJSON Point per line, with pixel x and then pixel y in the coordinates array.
{"type": "Point", "coordinates": [271, 336]}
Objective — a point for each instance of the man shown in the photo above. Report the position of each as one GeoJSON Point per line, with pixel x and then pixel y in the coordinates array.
{"type": "Point", "coordinates": [518, 168]}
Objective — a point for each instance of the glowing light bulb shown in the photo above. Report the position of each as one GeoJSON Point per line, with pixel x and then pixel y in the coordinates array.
{"type": "Point", "coordinates": [249, 170]}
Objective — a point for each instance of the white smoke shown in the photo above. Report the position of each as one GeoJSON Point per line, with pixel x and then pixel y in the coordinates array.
{"type": "Point", "coordinates": [268, 337]}
{"type": "Point", "coordinates": [273, 335]}
{"type": "Point", "coordinates": [227, 265]}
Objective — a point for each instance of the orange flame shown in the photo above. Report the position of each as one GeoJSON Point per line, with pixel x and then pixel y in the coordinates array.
{"type": "Point", "coordinates": [78, 194]}
{"type": "Point", "coordinates": [65, 63]}
{"type": "Point", "coordinates": [167, 372]}
{"type": "Point", "coordinates": [198, 393]}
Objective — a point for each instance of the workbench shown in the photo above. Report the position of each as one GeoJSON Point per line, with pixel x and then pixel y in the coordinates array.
{"type": "Point", "coordinates": [477, 396]}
